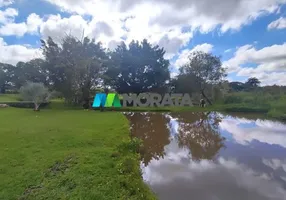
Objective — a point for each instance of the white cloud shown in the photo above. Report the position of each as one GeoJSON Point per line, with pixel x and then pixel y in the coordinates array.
{"type": "Point", "coordinates": [111, 32]}
{"type": "Point", "coordinates": [107, 31]}
{"type": "Point", "coordinates": [231, 14]}
{"type": "Point", "coordinates": [228, 50]}
{"type": "Point", "coordinates": [7, 15]}
{"type": "Point", "coordinates": [20, 29]}
{"type": "Point", "coordinates": [184, 55]}
{"type": "Point", "coordinates": [176, 175]}
{"type": "Point", "coordinates": [57, 27]}
{"type": "Point", "coordinates": [14, 53]}
{"type": "Point", "coordinates": [172, 41]}
{"type": "Point", "coordinates": [136, 20]}
{"type": "Point", "coordinates": [278, 24]}
{"type": "Point", "coordinates": [262, 130]}
{"type": "Point", "coordinates": [5, 3]}
{"type": "Point", "coordinates": [33, 23]}
{"type": "Point", "coordinates": [270, 61]}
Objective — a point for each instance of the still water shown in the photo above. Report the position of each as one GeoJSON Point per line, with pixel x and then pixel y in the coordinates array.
{"type": "Point", "coordinates": [211, 156]}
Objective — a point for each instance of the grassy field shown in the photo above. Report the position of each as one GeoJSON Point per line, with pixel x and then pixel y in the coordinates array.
{"type": "Point", "coordinates": [9, 97]}
{"type": "Point", "coordinates": [68, 154]}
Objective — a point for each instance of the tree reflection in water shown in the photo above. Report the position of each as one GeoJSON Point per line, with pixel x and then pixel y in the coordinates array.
{"type": "Point", "coordinates": [199, 132]}
{"type": "Point", "coordinates": [152, 129]}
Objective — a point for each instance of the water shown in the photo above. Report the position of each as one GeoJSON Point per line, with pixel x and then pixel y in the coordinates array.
{"type": "Point", "coordinates": [210, 156]}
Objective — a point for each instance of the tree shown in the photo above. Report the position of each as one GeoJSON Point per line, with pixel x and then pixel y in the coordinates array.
{"type": "Point", "coordinates": [252, 82]}
{"type": "Point", "coordinates": [138, 68]}
{"type": "Point", "coordinates": [185, 83]}
{"type": "Point", "coordinates": [32, 71]}
{"type": "Point", "coordinates": [5, 76]}
{"type": "Point", "coordinates": [237, 86]}
{"type": "Point", "coordinates": [35, 92]}
{"type": "Point", "coordinates": [206, 70]}
{"type": "Point", "coordinates": [74, 67]}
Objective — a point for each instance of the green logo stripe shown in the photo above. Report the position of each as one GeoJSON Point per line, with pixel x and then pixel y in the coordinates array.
{"type": "Point", "coordinates": [116, 101]}
{"type": "Point", "coordinates": [112, 100]}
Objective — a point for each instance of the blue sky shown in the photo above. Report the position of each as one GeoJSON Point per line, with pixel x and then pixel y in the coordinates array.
{"type": "Point", "coordinates": [250, 36]}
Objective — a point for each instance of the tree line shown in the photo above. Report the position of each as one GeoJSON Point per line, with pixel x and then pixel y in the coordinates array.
{"type": "Point", "coordinates": [77, 68]}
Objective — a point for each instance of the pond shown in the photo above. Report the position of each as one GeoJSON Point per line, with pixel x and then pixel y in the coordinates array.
{"type": "Point", "coordinates": [211, 156]}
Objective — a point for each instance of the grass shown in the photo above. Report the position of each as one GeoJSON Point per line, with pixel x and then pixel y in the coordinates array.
{"type": "Point", "coordinates": [9, 98]}
{"type": "Point", "coordinates": [68, 154]}
{"type": "Point", "coordinates": [273, 106]}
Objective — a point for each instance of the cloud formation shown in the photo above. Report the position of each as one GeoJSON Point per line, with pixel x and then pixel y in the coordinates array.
{"type": "Point", "coordinates": [270, 63]}
{"type": "Point", "coordinates": [12, 54]}
{"type": "Point", "coordinates": [5, 3]}
{"type": "Point", "coordinates": [245, 131]}
{"type": "Point", "coordinates": [278, 24]}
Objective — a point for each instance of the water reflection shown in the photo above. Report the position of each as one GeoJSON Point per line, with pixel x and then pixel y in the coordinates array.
{"type": "Point", "coordinates": [212, 156]}
{"type": "Point", "coordinates": [153, 130]}
{"type": "Point", "coordinates": [200, 134]}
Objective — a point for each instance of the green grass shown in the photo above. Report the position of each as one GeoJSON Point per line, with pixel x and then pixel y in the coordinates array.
{"type": "Point", "coordinates": [68, 154]}
{"type": "Point", "coordinates": [9, 98]}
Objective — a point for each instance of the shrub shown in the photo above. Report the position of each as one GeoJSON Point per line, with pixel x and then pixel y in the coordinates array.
{"type": "Point", "coordinates": [36, 93]}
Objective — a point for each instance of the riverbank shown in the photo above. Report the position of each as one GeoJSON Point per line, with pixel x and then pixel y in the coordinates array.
{"type": "Point", "coordinates": [68, 154]}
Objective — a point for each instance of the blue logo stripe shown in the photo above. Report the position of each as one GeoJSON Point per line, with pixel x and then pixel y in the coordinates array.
{"type": "Point", "coordinates": [99, 100]}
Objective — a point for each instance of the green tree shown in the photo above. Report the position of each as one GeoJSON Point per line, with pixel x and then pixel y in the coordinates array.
{"type": "Point", "coordinates": [74, 67]}
{"type": "Point", "coordinates": [252, 82]}
{"type": "Point", "coordinates": [6, 76]}
{"type": "Point", "coordinates": [138, 68]}
{"type": "Point", "coordinates": [206, 69]}
{"type": "Point", "coordinates": [237, 86]}
{"type": "Point", "coordinates": [32, 71]}
{"type": "Point", "coordinates": [185, 83]}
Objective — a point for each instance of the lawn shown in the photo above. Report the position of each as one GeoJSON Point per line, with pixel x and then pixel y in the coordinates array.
{"type": "Point", "coordinates": [9, 97]}
{"type": "Point", "coordinates": [68, 154]}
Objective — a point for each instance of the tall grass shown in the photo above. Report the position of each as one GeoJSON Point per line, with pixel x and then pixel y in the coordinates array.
{"type": "Point", "coordinates": [273, 104]}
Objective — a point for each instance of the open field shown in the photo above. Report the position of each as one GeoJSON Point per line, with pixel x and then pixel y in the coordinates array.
{"type": "Point", "coordinates": [68, 154]}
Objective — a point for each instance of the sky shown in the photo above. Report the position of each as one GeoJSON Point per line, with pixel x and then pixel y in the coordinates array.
{"type": "Point", "coordinates": [248, 35]}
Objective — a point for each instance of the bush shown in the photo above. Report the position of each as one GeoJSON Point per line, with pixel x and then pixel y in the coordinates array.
{"type": "Point", "coordinates": [36, 93]}
{"type": "Point", "coordinates": [231, 99]}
